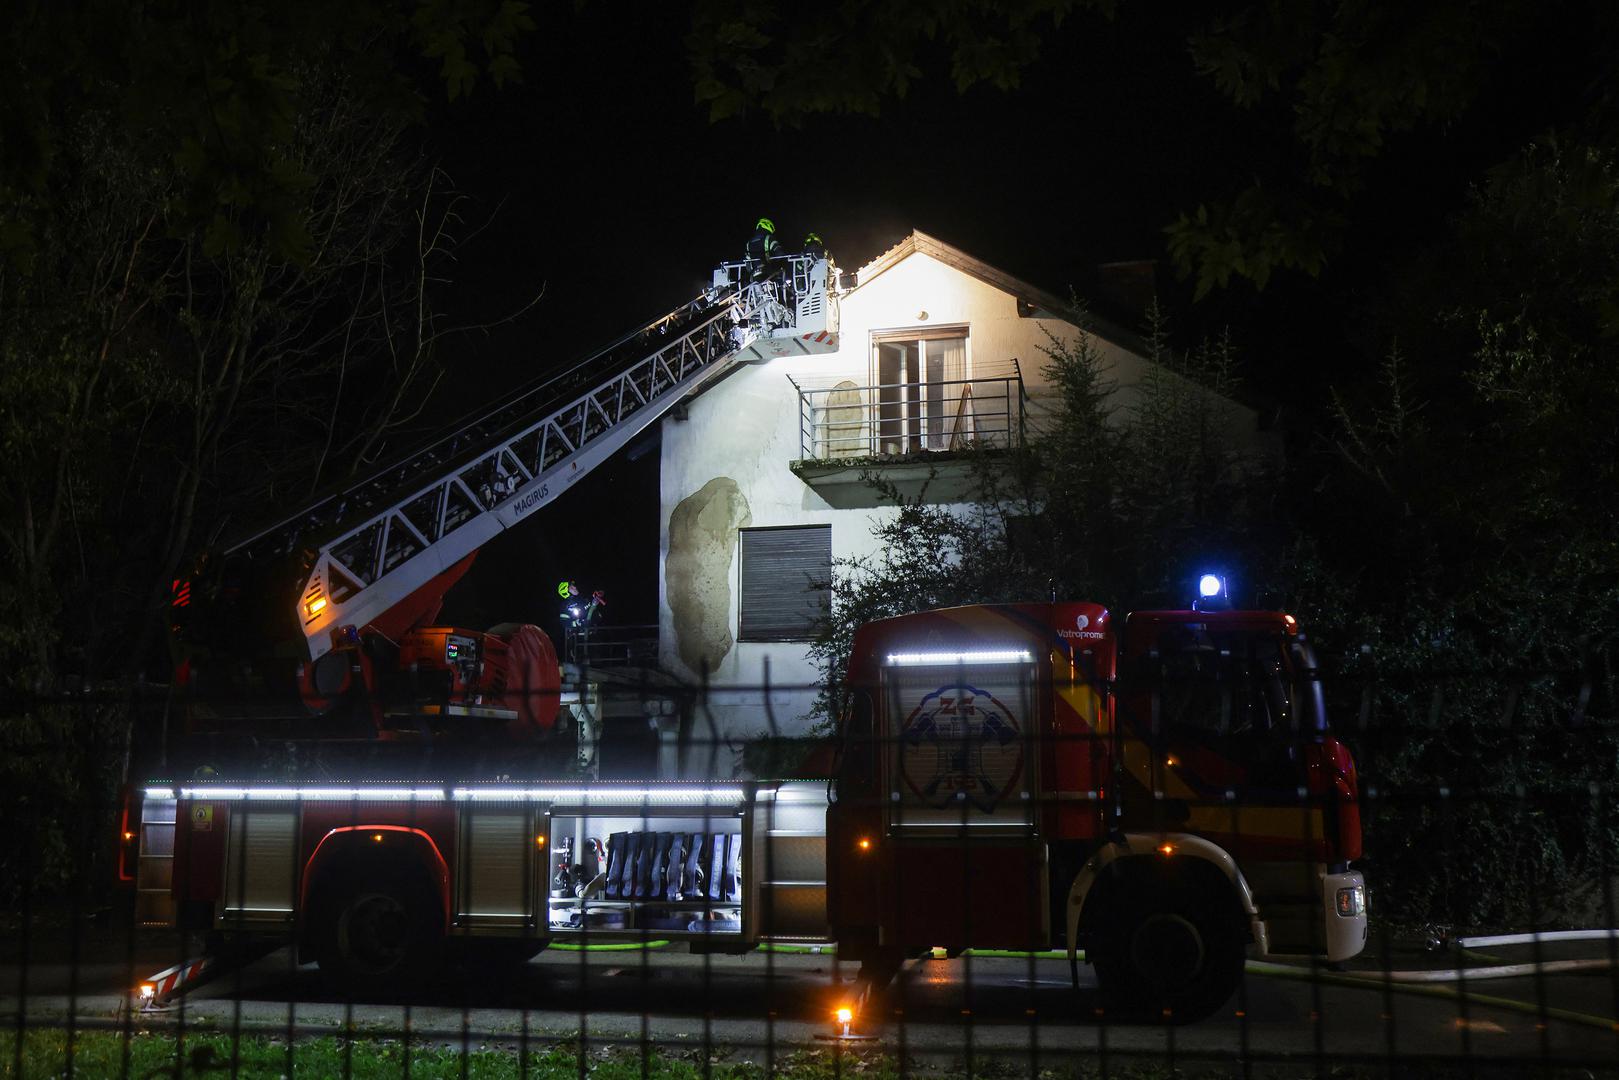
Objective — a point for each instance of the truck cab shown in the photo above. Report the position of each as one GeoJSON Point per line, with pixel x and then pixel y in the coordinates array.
{"type": "Point", "coordinates": [1159, 792]}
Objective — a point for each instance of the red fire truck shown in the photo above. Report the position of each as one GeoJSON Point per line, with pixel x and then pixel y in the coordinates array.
{"type": "Point", "coordinates": [1158, 794]}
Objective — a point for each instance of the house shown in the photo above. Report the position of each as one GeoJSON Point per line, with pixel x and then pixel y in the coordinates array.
{"type": "Point", "coordinates": [761, 473]}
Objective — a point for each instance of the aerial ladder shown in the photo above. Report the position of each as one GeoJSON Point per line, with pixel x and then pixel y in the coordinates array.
{"type": "Point", "coordinates": [374, 558]}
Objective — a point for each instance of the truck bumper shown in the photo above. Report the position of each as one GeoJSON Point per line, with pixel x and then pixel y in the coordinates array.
{"type": "Point", "coordinates": [1343, 913]}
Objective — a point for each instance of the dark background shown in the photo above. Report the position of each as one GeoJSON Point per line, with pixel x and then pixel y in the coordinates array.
{"type": "Point", "coordinates": [1447, 525]}
{"type": "Point", "coordinates": [608, 187]}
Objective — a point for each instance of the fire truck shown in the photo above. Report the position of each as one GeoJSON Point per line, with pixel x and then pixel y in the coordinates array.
{"type": "Point", "coordinates": [1157, 795]}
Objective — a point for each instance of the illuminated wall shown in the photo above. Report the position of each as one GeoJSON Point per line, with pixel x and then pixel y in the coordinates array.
{"type": "Point", "coordinates": [725, 467]}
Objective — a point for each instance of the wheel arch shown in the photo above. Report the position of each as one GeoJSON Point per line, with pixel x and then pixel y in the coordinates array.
{"type": "Point", "coordinates": [1144, 853]}
{"type": "Point", "coordinates": [349, 849]}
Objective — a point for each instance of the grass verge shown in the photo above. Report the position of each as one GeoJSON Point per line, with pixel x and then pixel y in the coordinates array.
{"type": "Point", "coordinates": [151, 1055]}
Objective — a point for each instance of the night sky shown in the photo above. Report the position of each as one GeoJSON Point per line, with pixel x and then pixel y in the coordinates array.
{"type": "Point", "coordinates": [614, 192]}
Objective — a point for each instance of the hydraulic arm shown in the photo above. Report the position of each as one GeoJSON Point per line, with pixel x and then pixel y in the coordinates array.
{"type": "Point", "coordinates": [367, 548]}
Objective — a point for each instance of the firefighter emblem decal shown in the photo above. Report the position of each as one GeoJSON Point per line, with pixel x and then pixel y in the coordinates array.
{"type": "Point", "coordinates": [960, 743]}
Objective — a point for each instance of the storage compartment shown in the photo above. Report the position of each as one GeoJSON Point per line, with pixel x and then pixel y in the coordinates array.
{"type": "Point", "coordinates": [654, 874]}
{"type": "Point", "coordinates": [790, 862]}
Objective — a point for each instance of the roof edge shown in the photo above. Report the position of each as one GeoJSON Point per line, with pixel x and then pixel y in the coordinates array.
{"type": "Point", "coordinates": [1029, 296]}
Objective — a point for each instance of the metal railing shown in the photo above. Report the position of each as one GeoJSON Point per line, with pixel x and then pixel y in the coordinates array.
{"type": "Point", "coordinates": [612, 646]}
{"type": "Point", "coordinates": [895, 420]}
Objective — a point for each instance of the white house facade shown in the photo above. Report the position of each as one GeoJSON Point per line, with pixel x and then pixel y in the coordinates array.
{"type": "Point", "coordinates": [760, 483]}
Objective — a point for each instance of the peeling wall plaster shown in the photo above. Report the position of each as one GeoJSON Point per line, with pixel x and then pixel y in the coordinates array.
{"type": "Point", "coordinates": [702, 544]}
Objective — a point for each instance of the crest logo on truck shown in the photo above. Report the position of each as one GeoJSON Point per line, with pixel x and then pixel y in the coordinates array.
{"type": "Point", "coordinates": [960, 743]}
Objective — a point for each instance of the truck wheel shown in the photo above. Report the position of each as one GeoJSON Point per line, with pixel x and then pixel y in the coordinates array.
{"type": "Point", "coordinates": [1168, 953]}
{"type": "Point", "coordinates": [381, 938]}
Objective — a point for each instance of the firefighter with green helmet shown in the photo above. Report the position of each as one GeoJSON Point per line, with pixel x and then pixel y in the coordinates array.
{"type": "Point", "coordinates": [578, 615]}
{"type": "Point", "coordinates": [762, 247]}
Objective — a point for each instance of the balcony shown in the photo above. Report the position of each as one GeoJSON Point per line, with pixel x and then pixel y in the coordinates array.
{"type": "Point", "coordinates": [916, 435]}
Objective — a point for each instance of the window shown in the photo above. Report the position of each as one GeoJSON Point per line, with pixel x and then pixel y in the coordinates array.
{"type": "Point", "coordinates": [924, 401]}
{"type": "Point", "coordinates": [786, 582]}
{"type": "Point", "coordinates": [1226, 682]}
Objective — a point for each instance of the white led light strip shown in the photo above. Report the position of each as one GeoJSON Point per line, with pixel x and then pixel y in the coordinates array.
{"type": "Point", "coordinates": [604, 796]}
{"type": "Point", "coordinates": [291, 793]}
{"type": "Point", "coordinates": [984, 656]}
{"type": "Point", "coordinates": [681, 796]}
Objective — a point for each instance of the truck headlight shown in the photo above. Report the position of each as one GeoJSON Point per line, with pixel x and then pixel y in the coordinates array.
{"type": "Point", "coordinates": [1352, 901]}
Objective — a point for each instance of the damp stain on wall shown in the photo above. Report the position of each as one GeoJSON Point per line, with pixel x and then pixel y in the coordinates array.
{"type": "Point", "coordinates": [702, 543]}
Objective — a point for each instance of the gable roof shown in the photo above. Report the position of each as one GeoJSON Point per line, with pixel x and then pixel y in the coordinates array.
{"type": "Point", "coordinates": [1031, 299]}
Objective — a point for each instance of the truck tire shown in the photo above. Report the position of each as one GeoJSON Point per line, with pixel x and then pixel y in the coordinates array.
{"type": "Point", "coordinates": [1164, 951]}
{"type": "Point", "coordinates": [380, 936]}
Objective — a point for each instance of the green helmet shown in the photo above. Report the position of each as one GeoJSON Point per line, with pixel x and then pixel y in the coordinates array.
{"type": "Point", "coordinates": [766, 224]}
{"type": "Point", "coordinates": [813, 240]}
{"type": "Point", "coordinates": [566, 589]}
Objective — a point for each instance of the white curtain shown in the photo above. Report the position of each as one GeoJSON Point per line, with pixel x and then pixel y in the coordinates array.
{"type": "Point", "coordinates": [947, 413]}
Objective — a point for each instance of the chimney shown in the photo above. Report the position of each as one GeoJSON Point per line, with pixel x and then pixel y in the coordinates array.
{"type": "Point", "coordinates": [1128, 287]}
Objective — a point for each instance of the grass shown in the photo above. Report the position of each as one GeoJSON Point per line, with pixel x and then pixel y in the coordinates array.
{"type": "Point", "coordinates": [149, 1055]}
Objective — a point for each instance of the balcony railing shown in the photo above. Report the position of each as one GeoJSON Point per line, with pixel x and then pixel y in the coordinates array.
{"type": "Point", "coordinates": [896, 420]}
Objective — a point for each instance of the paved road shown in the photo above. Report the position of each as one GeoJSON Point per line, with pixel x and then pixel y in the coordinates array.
{"type": "Point", "coordinates": [758, 1005]}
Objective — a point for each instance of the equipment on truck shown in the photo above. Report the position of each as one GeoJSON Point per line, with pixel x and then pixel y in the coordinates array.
{"type": "Point", "coordinates": [323, 624]}
{"type": "Point", "coordinates": [1160, 792]}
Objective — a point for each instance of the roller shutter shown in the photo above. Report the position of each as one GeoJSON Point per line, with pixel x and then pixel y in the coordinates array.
{"type": "Point", "coordinates": [786, 582]}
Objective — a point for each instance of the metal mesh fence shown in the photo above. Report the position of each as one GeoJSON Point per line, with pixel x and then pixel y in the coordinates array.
{"type": "Point", "coordinates": [658, 903]}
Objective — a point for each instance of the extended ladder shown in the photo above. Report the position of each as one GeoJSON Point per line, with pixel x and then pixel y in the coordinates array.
{"type": "Point", "coordinates": [373, 544]}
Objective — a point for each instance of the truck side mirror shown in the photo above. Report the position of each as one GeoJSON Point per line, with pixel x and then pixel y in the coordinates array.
{"type": "Point", "coordinates": [854, 766]}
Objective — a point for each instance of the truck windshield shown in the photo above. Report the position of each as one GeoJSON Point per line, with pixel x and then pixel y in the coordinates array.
{"type": "Point", "coordinates": [1239, 681]}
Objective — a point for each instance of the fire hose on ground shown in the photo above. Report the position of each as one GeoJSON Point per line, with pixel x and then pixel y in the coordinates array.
{"type": "Point", "coordinates": [1450, 983]}
{"type": "Point", "coordinates": [1443, 982]}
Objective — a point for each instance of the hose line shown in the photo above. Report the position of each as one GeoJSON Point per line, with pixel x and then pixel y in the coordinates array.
{"type": "Point", "coordinates": [1537, 937]}
{"type": "Point", "coordinates": [1451, 993]}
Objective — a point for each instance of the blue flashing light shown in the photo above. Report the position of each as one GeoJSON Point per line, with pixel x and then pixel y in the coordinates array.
{"type": "Point", "coordinates": [1210, 585]}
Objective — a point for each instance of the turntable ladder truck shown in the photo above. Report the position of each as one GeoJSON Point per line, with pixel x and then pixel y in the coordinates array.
{"type": "Point", "coordinates": [1160, 795]}
{"type": "Point", "coordinates": [318, 630]}
{"type": "Point", "coordinates": [324, 620]}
